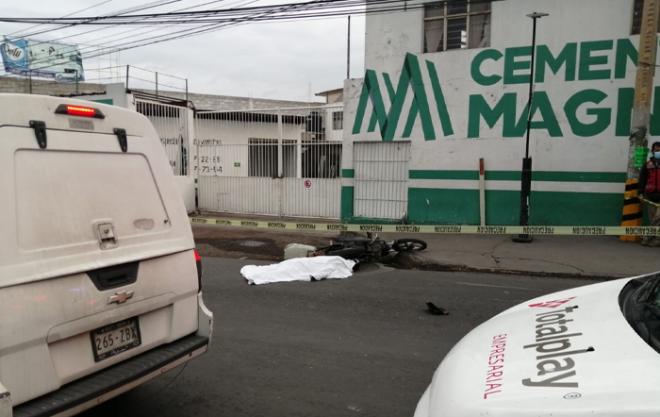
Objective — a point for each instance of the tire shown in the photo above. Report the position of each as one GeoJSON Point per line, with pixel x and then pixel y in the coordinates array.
{"type": "Point", "coordinates": [408, 245]}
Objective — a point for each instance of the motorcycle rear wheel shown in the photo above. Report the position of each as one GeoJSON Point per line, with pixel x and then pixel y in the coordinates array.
{"type": "Point", "coordinates": [408, 245]}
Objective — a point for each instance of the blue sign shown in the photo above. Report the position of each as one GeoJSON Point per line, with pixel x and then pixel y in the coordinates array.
{"type": "Point", "coordinates": [42, 59]}
{"type": "Point", "coordinates": [15, 56]}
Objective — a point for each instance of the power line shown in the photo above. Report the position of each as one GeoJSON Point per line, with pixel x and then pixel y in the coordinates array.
{"type": "Point", "coordinates": [132, 32]}
{"type": "Point", "coordinates": [176, 17]}
{"type": "Point", "coordinates": [98, 51]}
{"type": "Point", "coordinates": [133, 29]}
{"type": "Point", "coordinates": [162, 38]}
{"type": "Point", "coordinates": [119, 13]}
{"type": "Point", "coordinates": [231, 22]}
{"type": "Point", "coordinates": [66, 15]}
{"type": "Point", "coordinates": [107, 45]}
{"type": "Point", "coordinates": [289, 11]}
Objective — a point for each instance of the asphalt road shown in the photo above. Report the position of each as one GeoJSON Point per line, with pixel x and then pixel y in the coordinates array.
{"type": "Point", "coordinates": [364, 346]}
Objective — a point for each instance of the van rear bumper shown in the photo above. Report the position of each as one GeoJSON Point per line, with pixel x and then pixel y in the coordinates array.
{"type": "Point", "coordinates": [94, 389]}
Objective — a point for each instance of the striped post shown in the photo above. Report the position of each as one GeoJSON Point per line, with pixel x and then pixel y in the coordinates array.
{"type": "Point", "coordinates": [632, 209]}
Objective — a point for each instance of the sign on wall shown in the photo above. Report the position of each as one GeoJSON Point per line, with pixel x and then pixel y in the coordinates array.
{"type": "Point", "coordinates": [42, 59]}
{"type": "Point", "coordinates": [583, 89]}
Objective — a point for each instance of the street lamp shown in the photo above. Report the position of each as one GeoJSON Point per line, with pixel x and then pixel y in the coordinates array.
{"type": "Point", "coordinates": [526, 175]}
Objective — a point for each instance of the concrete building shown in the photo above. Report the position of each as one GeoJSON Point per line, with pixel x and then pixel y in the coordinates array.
{"type": "Point", "coordinates": [334, 113]}
{"type": "Point", "coordinates": [446, 84]}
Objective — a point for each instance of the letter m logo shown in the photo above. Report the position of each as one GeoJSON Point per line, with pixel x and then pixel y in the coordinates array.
{"type": "Point", "coordinates": [388, 121]}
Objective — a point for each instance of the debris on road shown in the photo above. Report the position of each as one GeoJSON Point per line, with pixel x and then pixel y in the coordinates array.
{"type": "Point", "coordinates": [298, 250]}
{"type": "Point", "coordinates": [435, 310]}
{"type": "Point", "coordinates": [299, 269]}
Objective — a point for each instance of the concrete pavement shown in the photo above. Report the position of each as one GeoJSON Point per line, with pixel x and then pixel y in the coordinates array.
{"type": "Point", "coordinates": [567, 256]}
{"type": "Point", "coordinates": [364, 346]}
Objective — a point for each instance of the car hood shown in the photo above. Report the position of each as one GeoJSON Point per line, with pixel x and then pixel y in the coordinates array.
{"type": "Point", "coordinates": [570, 353]}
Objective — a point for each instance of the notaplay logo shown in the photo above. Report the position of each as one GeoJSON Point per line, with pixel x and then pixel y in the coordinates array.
{"type": "Point", "coordinates": [388, 121]}
{"type": "Point", "coordinates": [552, 303]}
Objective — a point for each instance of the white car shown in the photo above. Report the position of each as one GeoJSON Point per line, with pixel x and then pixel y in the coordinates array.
{"type": "Point", "coordinates": [100, 290]}
{"type": "Point", "coordinates": [588, 351]}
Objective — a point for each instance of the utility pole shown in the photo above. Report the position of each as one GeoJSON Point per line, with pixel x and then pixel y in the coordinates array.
{"type": "Point", "coordinates": [632, 209]}
{"type": "Point", "coordinates": [348, 50]}
{"type": "Point", "coordinates": [526, 174]}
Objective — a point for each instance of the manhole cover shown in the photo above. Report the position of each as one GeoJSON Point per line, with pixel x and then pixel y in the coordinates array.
{"type": "Point", "coordinates": [251, 243]}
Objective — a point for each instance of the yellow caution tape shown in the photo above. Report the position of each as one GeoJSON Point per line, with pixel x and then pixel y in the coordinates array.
{"type": "Point", "coordinates": [653, 203]}
{"type": "Point", "coordinates": [438, 229]}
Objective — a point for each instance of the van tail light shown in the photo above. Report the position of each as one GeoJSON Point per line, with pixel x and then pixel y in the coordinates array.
{"type": "Point", "coordinates": [198, 261]}
{"type": "Point", "coordinates": [80, 111]}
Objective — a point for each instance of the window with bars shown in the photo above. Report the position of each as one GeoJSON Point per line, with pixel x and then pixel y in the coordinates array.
{"type": "Point", "coordinates": [337, 120]}
{"type": "Point", "coordinates": [263, 158]}
{"type": "Point", "coordinates": [456, 24]}
{"type": "Point", "coordinates": [638, 8]}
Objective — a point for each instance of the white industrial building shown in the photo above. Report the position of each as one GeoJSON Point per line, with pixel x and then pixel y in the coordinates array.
{"type": "Point", "coordinates": [446, 85]}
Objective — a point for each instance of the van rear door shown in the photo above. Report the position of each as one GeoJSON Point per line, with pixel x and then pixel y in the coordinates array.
{"type": "Point", "coordinates": [96, 262]}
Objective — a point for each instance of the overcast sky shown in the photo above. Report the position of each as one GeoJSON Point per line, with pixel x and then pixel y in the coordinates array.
{"type": "Point", "coordinates": [281, 60]}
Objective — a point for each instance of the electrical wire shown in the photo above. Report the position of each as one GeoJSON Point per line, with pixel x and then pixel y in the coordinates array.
{"type": "Point", "coordinates": [66, 15]}
{"type": "Point", "coordinates": [159, 38]}
{"type": "Point", "coordinates": [99, 47]}
{"type": "Point", "coordinates": [87, 20]}
{"type": "Point", "coordinates": [96, 29]}
{"type": "Point", "coordinates": [234, 16]}
{"type": "Point", "coordinates": [263, 15]}
{"type": "Point", "coordinates": [176, 17]}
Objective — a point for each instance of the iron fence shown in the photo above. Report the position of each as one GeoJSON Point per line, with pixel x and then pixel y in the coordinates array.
{"type": "Point", "coordinates": [283, 162]}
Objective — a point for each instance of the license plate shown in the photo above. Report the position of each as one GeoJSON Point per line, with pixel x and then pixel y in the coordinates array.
{"type": "Point", "coordinates": [115, 338]}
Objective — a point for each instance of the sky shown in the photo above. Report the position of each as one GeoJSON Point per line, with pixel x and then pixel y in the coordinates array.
{"type": "Point", "coordinates": [277, 60]}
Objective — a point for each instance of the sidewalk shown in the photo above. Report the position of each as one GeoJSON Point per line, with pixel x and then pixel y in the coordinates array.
{"type": "Point", "coordinates": [562, 256]}
{"type": "Point", "coordinates": [570, 256]}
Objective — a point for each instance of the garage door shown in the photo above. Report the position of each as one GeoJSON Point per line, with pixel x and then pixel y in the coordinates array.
{"type": "Point", "coordinates": [381, 179]}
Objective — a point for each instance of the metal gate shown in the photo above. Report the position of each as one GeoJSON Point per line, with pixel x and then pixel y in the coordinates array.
{"type": "Point", "coordinates": [171, 123]}
{"type": "Point", "coordinates": [277, 162]}
{"type": "Point", "coordinates": [381, 179]}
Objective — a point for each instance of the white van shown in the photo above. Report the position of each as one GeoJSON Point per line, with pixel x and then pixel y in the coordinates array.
{"type": "Point", "coordinates": [588, 351]}
{"type": "Point", "coordinates": [99, 286]}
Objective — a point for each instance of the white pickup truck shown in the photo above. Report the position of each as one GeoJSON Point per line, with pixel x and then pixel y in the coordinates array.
{"type": "Point", "coordinates": [100, 290]}
{"type": "Point", "coordinates": [588, 351]}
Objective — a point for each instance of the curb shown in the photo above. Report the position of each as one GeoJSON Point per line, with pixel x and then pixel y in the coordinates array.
{"type": "Point", "coordinates": [408, 261]}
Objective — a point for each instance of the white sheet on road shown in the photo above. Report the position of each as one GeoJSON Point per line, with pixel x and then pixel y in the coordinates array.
{"type": "Point", "coordinates": [299, 269]}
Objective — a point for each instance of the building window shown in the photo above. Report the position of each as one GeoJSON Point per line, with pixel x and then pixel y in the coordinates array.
{"type": "Point", "coordinates": [456, 24]}
{"type": "Point", "coordinates": [337, 120]}
{"type": "Point", "coordinates": [263, 157]}
{"type": "Point", "coordinates": [638, 9]}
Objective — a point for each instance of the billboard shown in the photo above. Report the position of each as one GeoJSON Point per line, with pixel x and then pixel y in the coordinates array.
{"type": "Point", "coordinates": [42, 59]}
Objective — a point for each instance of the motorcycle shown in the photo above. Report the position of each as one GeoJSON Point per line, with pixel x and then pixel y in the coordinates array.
{"type": "Point", "coordinates": [368, 249]}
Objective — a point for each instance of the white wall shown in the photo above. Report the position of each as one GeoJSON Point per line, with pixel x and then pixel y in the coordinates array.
{"type": "Point", "coordinates": [330, 133]}
{"type": "Point", "coordinates": [391, 36]}
{"type": "Point", "coordinates": [225, 143]}
{"type": "Point", "coordinates": [116, 92]}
